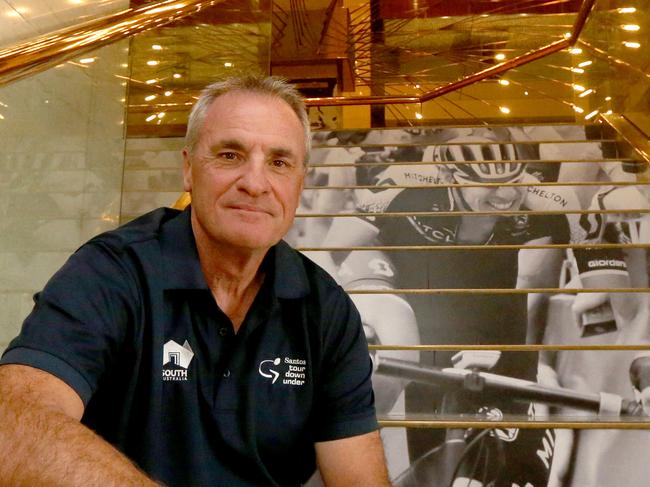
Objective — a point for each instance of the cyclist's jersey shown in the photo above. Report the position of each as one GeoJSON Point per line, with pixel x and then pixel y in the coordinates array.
{"type": "Point", "coordinates": [462, 318]}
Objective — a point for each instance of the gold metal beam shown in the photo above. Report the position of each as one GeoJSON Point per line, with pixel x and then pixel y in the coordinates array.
{"type": "Point", "coordinates": [44, 52]}
{"type": "Point", "coordinates": [630, 133]}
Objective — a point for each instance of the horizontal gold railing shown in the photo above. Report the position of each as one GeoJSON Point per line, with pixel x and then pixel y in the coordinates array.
{"type": "Point", "coordinates": [393, 214]}
{"type": "Point", "coordinates": [480, 185]}
{"type": "Point", "coordinates": [461, 247]}
{"type": "Point", "coordinates": [42, 53]}
{"type": "Point", "coordinates": [480, 290]}
{"type": "Point", "coordinates": [589, 422]}
{"type": "Point", "coordinates": [508, 348]}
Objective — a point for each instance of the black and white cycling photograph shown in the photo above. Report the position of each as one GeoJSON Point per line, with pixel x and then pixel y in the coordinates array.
{"type": "Point", "coordinates": [499, 237]}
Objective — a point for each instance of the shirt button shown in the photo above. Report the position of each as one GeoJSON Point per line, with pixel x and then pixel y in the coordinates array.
{"type": "Point", "coordinates": [223, 331]}
{"type": "Point", "coordinates": [226, 373]}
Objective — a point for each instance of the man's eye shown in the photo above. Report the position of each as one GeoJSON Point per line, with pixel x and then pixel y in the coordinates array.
{"type": "Point", "coordinates": [280, 163]}
{"type": "Point", "coordinates": [230, 156]}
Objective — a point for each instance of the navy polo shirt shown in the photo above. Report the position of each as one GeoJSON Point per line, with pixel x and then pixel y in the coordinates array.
{"type": "Point", "coordinates": [131, 325]}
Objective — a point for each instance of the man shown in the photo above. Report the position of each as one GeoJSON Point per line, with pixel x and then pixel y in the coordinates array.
{"type": "Point", "coordinates": [199, 345]}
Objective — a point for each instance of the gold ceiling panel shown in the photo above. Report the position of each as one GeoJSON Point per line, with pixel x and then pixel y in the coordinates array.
{"type": "Point", "coordinates": [392, 49]}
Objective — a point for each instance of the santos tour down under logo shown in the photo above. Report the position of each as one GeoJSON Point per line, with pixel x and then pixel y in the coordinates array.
{"type": "Point", "coordinates": [176, 360]}
{"type": "Point", "coordinates": [292, 370]}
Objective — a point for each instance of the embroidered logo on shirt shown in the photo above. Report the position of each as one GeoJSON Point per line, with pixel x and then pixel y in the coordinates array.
{"type": "Point", "coordinates": [292, 370]}
{"type": "Point", "coordinates": [176, 360]}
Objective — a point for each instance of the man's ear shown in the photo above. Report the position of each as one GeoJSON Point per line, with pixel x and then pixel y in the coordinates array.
{"type": "Point", "coordinates": [187, 170]}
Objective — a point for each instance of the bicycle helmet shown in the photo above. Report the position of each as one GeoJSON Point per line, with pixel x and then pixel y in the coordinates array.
{"type": "Point", "coordinates": [475, 148]}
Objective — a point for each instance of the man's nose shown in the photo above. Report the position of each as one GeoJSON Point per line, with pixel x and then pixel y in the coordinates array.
{"type": "Point", "coordinates": [254, 179]}
{"type": "Point", "coordinates": [508, 192]}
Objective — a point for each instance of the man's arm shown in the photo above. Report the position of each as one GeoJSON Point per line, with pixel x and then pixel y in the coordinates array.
{"type": "Point", "coordinates": [354, 461]}
{"type": "Point", "coordinates": [538, 268]}
{"type": "Point", "coordinates": [42, 442]}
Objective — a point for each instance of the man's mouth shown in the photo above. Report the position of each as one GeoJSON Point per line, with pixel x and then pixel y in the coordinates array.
{"type": "Point", "coordinates": [501, 205]}
{"type": "Point", "coordinates": [249, 208]}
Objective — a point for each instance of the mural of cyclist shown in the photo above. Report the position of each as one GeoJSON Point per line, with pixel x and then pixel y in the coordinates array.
{"type": "Point", "coordinates": [468, 157]}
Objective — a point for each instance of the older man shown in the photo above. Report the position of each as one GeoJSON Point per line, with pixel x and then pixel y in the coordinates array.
{"type": "Point", "coordinates": [199, 347]}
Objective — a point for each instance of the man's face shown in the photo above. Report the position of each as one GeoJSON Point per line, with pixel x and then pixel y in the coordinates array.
{"type": "Point", "coordinates": [246, 172]}
{"type": "Point", "coordinates": [499, 198]}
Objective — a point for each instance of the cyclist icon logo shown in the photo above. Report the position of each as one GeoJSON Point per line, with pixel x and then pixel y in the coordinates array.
{"type": "Point", "coordinates": [265, 369]}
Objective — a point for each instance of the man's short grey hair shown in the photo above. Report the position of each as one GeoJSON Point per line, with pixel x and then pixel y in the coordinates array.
{"type": "Point", "coordinates": [269, 85]}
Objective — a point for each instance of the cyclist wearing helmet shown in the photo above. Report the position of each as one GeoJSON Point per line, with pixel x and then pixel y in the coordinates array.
{"type": "Point", "coordinates": [483, 156]}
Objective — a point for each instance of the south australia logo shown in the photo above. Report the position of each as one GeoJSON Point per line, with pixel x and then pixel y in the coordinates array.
{"type": "Point", "coordinates": [288, 371]}
{"type": "Point", "coordinates": [176, 360]}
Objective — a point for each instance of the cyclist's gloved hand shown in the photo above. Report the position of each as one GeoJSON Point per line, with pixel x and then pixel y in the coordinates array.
{"type": "Point", "coordinates": [640, 378]}
{"type": "Point", "coordinates": [546, 375]}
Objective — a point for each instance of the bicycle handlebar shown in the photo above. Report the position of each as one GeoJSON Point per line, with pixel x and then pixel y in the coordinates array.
{"type": "Point", "coordinates": [473, 380]}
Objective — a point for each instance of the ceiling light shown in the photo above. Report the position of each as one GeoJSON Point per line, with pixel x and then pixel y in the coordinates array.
{"type": "Point", "coordinates": [577, 70]}
{"type": "Point", "coordinates": [567, 35]}
{"type": "Point", "coordinates": [2, 116]}
{"type": "Point", "coordinates": [500, 56]}
{"type": "Point", "coordinates": [13, 13]}
{"type": "Point", "coordinates": [505, 110]}
{"type": "Point", "coordinates": [575, 50]}
{"type": "Point", "coordinates": [156, 47]}
{"type": "Point", "coordinates": [584, 64]}
{"type": "Point", "coordinates": [227, 64]}
{"type": "Point", "coordinates": [608, 112]}
{"type": "Point", "coordinates": [626, 10]}
{"type": "Point", "coordinates": [578, 87]}
{"type": "Point", "coordinates": [632, 45]}
{"type": "Point", "coordinates": [87, 60]}
{"type": "Point", "coordinates": [150, 97]}
{"type": "Point", "coordinates": [150, 118]}
{"type": "Point", "coordinates": [76, 2]}
{"type": "Point", "coordinates": [418, 115]}
{"type": "Point", "coordinates": [168, 93]}
{"type": "Point", "coordinates": [630, 27]}
{"type": "Point", "coordinates": [504, 82]}
{"type": "Point", "coordinates": [578, 109]}
{"type": "Point", "coordinates": [125, 65]}
{"type": "Point", "coordinates": [153, 63]}
{"type": "Point", "coordinates": [4, 105]}
{"type": "Point", "coordinates": [161, 114]}
{"type": "Point", "coordinates": [176, 75]}
{"type": "Point", "coordinates": [585, 93]}
{"type": "Point", "coordinates": [525, 93]}
{"type": "Point", "coordinates": [591, 114]}
{"type": "Point", "coordinates": [150, 81]}
{"type": "Point", "coordinates": [607, 98]}
{"type": "Point", "coordinates": [417, 87]}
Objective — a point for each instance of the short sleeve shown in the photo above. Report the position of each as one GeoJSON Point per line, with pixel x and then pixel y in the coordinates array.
{"type": "Point", "coordinates": [80, 320]}
{"type": "Point", "coordinates": [345, 402]}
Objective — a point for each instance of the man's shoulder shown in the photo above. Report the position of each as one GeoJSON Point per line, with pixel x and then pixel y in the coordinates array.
{"type": "Point", "coordinates": [141, 229]}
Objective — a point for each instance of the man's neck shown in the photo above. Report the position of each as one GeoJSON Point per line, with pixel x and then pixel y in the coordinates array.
{"type": "Point", "coordinates": [234, 276]}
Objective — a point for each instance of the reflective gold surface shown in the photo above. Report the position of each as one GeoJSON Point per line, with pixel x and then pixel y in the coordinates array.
{"type": "Point", "coordinates": [45, 52]}
{"type": "Point", "coordinates": [509, 62]}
